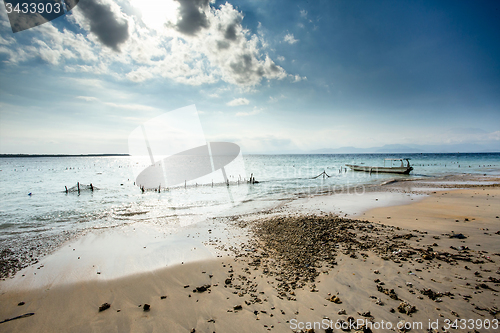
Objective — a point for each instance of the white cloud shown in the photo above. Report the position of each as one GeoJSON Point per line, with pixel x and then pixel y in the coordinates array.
{"type": "Point", "coordinates": [297, 78]}
{"type": "Point", "coordinates": [465, 135]}
{"type": "Point", "coordinates": [281, 58]}
{"type": "Point", "coordinates": [87, 98]}
{"type": "Point", "coordinates": [136, 107]}
{"type": "Point", "coordinates": [52, 46]}
{"type": "Point", "coordinates": [495, 136]}
{"type": "Point", "coordinates": [238, 102]}
{"type": "Point", "coordinates": [251, 113]}
{"type": "Point", "coordinates": [303, 13]}
{"type": "Point", "coordinates": [275, 99]}
{"type": "Point", "coordinates": [128, 106]}
{"type": "Point", "coordinates": [261, 142]}
{"type": "Point", "coordinates": [7, 40]}
{"type": "Point", "coordinates": [140, 75]}
{"type": "Point", "coordinates": [289, 38]}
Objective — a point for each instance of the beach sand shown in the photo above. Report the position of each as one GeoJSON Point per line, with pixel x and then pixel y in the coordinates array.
{"type": "Point", "coordinates": [398, 264]}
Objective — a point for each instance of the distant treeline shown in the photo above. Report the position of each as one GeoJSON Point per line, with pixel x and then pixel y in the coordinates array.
{"type": "Point", "coordinates": [53, 155]}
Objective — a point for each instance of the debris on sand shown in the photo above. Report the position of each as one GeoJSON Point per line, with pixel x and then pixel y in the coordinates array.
{"type": "Point", "coordinates": [297, 248]}
{"type": "Point", "coordinates": [391, 293]}
{"type": "Point", "coordinates": [18, 317]}
{"type": "Point", "coordinates": [202, 289]}
{"type": "Point", "coordinates": [104, 306]}
{"type": "Point", "coordinates": [407, 308]}
{"type": "Point", "coordinates": [430, 293]}
{"type": "Point", "coordinates": [9, 263]}
{"type": "Point", "coordinates": [335, 299]}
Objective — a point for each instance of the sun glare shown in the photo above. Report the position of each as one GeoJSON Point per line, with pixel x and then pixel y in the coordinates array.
{"type": "Point", "coordinates": [155, 13]}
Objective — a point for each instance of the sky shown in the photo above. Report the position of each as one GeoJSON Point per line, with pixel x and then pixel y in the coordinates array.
{"type": "Point", "coordinates": [273, 76]}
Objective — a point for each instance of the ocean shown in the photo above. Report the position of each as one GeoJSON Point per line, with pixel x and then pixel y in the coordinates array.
{"type": "Point", "coordinates": [36, 212]}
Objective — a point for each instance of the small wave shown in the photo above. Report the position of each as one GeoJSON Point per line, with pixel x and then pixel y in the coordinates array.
{"type": "Point", "coordinates": [7, 225]}
{"type": "Point", "coordinates": [132, 213]}
{"type": "Point", "coordinates": [391, 181]}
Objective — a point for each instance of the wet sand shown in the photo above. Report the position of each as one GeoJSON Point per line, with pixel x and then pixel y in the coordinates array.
{"type": "Point", "coordinates": [422, 262]}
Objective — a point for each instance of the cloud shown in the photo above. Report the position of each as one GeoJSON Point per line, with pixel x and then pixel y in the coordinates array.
{"type": "Point", "coordinates": [192, 16]}
{"type": "Point", "coordinates": [48, 54]}
{"type": "Point", "coordinates": [275, 99]}
{"type": "Point", "coordinates": [140, 75]}
{"type": "Point", "coordinates": [251, 113]}
{"type": "Point", "coordinates": [129, 106]}
{"type": "Point", "coordinates": [110, 29]}
{"type": "Point", "coordinates": [281, 58]}
{"type": "Point", "coordinates": [297, 78]}
{"type": "Point", "coordinates": [52, 46]}
{"type": "Point", "coordinates": [266, 143]}
{"type": "Point", "coordinates": [135, 107]}
{"type": "Point", "coordinates": [303, 13]}
{"type": "Point", "coordinates": [238, 102]}
{"type": "Point", "coordinates": [87, 98]}
{"type": "Point", "coordinates": [235, 52]}
{"type": "Point", "coordinates": [494, 136]}
{"type": "Point", "coordinates": [289, 38]}
{"type": "Point", "coordinates": [461, 136]}
{"type": "Point", "coordinates": [7, 40]}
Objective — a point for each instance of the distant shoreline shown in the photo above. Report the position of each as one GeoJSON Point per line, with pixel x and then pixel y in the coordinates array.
{"type": "Point", "coordinates": [363, 153]}
{"type": "Point", "coordinates": [62, 155]}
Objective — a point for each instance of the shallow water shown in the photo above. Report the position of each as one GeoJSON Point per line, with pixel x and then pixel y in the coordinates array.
{"type": "Point", "coordinates": [51, 212]}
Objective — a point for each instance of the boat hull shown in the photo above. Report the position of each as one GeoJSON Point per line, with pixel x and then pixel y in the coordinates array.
{"type": "Point", "coordinates": [372, 169]}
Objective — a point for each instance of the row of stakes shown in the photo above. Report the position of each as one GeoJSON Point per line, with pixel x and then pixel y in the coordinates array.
{"type": "Point", "coordinates": [78, 188]}
{"type": "Point", "coordinates": [143, 189]}
{"type": "Point", "coordinates": [250, 181]}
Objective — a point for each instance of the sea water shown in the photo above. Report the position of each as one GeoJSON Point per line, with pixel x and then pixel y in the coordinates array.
{"type": "Point", "coordinates": [34, 203]}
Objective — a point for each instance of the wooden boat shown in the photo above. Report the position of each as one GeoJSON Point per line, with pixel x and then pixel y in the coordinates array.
{"type": "Point", "coordinates": [392, 169]}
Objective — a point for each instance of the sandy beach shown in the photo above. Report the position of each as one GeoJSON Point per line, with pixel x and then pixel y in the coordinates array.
{"type": "Point", "coordinates": [425, 264]}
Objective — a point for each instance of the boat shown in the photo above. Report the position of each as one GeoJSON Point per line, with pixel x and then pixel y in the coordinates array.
{"type": "Point", "coordinates": [403, 169]}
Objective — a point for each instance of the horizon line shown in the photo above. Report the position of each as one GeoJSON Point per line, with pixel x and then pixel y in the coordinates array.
{"type": "Point", "coordinates": [273, 153]}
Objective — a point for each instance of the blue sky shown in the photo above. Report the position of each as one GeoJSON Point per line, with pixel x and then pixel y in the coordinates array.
{"type": "Point", "coordinates": [271, 76]}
